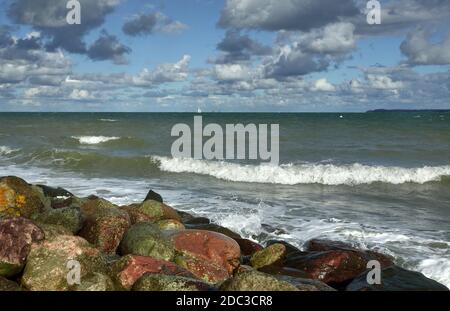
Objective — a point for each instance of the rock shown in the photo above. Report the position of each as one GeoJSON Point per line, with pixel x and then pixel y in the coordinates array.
{"type": "Point", "coordinates": [158, 211]}
{"type": "Point", "coordinates": [394, 278]}
{"type": "Point", "coordinates": [291, 250]}
{"type": "Point", "coordinates": [67, 217]}
{"type": "Point", "coordinates": [248, 247]}
{"type": "Point", "coordinates": [8, 286]}
{"type": "Point", "coordinates": [269, 256]}
{"type": "Point", "coordinates": [215, 228]}
{"type": "Point", "coordinates": [185, 217]}
{"type": "Point", "coordinates": [333, 267]}
{"type": "Point", "coordinates": [204, 270]}
{"type": "Point", "coordinates": [145, 239]}
{"type": "Point", "coordinates": [105, 224]}
{"type": "Point", "coordinates": [161, 282]}
{"type": "Point", "coordinates": [52, 231]}
{"type": "Point", "coordinates": [54, 192]}
{"type": "Point", "coordinates": [152, 195]}
{"type": "Point", "coordinates": [47, 264]}
{"type": "Point", "coordinates": [17, 198]}
{"type": "Point", "coordinates": [197, 221]}
{"type": "Point", "coordinates": [136, 216]}
{"type": "Point", "coordinates": [95, 282]}
{"type": "Point", "coordinates": [327, 245]}
{"type": "Point", "coordinates": [170, 224]}
{"type": "Point", "coordinates": [61, 202]}
{"type": "Point", "coordinates": [255, 281]}
{"type": "Point", "coordinates": [209, 246]}
{"type": "Point", "coordinates": [273, 230]}
{"type": "Point", "coordinates": [17, 234]}
{"type": "Point", "coordinates": [130, 268]}
{"type": "Point", "coordinates": [306, 285]}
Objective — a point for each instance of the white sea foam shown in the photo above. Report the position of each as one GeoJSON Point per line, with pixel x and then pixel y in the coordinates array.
{"type": "Point", "coordinates": [437, 269]}
{"type": "Point", "coordinates": [326, 174]}
{"type": "Point", "coordinates": [5, 150]}
{"type": "Point", "coordinates": [108, 120]}
{"type": "Point", "coordinates": [94, 140]}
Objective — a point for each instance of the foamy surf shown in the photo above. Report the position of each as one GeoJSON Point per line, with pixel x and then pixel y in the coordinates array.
{"type": "Point", "coordinates": [94, 140]}
{"type": "Point", "coordinates": [325, 174]}
{"type": "Point", "coordinates": [5, 150]}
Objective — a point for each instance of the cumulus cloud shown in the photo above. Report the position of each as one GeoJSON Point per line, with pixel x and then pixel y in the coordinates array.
{"type": "Point", "coordinates": [108, 47]}
{"type": "Point", "coordinates": [146, 24]}
{"type": "Point", "coordinates": [237, 47]}
{"type": "Point", "coordinates": [322, 85]}
{"type": "Point", "coordinates": [231, 72]}
{"type": "Point", "coordinates": [420, 51]}
{"type": "Point", "coordinates": [276, 15]}
{"type": "Point", "coordinates": [49, 18]}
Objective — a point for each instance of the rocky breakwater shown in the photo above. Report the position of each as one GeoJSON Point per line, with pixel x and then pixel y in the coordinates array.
{"type": "Point", "coordinates": [51, 240]}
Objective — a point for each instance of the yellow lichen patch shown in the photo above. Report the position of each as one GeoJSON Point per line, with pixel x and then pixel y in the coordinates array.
{"type": "Point", "coordinates": [8, 201]}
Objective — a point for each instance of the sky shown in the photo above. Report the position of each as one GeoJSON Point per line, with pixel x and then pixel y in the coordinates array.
{"type": "Point", "coordinates": [224, 55]}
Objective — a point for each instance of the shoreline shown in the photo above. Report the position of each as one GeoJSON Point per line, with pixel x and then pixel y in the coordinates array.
{"type": "Point", "coordinates": [151, 246]}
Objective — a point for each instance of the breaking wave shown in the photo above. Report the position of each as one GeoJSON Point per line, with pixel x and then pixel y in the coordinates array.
{"type": "Point", "coordinates": [94, 140]}
{"type": "Point", "coordinates": [326, 174]}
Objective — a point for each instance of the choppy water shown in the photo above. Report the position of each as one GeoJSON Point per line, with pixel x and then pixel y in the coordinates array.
{"type": "Point", "coordinates": [378, 180]}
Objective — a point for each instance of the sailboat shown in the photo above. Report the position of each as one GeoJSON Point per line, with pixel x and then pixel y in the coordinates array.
{"type": "Point", "coordinates": [199, 110]}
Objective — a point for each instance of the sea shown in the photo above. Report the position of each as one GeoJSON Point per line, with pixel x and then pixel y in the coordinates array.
{"type": "Point", "coordinates": [378, 180]}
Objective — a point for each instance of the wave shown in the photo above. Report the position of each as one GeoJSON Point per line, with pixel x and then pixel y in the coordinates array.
{"type": "Point", "coordinates": [94, 140]}
{"type": "Point", "coordinates": [108, 120]}
{"type": "Point", "coordinates": [325, 174]}
{"type": "Point", "coordinates": [5, 150]}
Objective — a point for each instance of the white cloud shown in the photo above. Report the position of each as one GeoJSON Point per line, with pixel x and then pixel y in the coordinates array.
{"type": "Point", "coordinates": [322, 85]}
{"type": "Point", "coordinates": [233, 72]}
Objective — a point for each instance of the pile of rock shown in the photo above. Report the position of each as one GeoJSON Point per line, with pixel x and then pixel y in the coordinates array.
{"type": "Point", "coordinates": [152, 247]}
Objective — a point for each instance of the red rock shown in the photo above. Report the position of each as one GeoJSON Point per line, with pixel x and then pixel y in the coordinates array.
{"type": "Point", "coordinates": [130, 268]}
{"type": "Point", "coordinates": [204, 270]}
{"type": "Point", "coordinates": [16, 237]}
{"type": "Point", "coordinates": [208, 246]}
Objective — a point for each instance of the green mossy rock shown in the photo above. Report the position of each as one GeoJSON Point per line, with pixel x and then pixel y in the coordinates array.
{"type": "Point", "coordinates": [170, 224]}
{"type": "Point", "coordinates": [145, 239]}
{"type": "Point", "coordinates": [67, 217]}
{"type": "Point", "coordinates": [96, 282]}
{"type": "Point", "coordinates": [256, 281]}
{"type": "Point", "coordinates": [52, 231]}
{"type": "Point", "coordinates": [157, 210]}
{"type": "Point", "coordinates": [161, 282]}
{"type": "Point", "coordinates": [47, 265]}
{"type": "Point", "coordinates": [268, 256]}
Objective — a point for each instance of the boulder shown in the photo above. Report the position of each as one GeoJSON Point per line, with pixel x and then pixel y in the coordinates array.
{"type": "Point", "coordinates": [152, 195]}
{"type": "Point", "coordinates": [145, 239]}
{"type": "Point", "coordinates": [291, 250]}
{"type": "Point", "coordinates": [170, 224]}
{"type": "Point", "coordinates": [193, 221]}
{"type": "Point", "coordinates": [136, 216]}
{"type": "Point", "coordinates": [270, 256]}
{"type": "Point", "coordinates": [8, 286]}
{"type": "Point", "coordinates": [67, 217]}
{"type": "Point", "coordinates": [161, 282]}
{"type": "Point", "coordinates": [105, 224]}
{"type": "Point", "coordinates": [208, 246]}
{"type": "Point", "coordinates": [248, 247]}
{"type": "Point", "coordinates": [306, 285]}
{"type": "Point", "coordinates": [95, 282]}
{"type": "Point", "coordinates": [130, 268]}
{"type": "Point", "coordinates": [317, 245]}
{"type": "Point", "coordinates": [185, 217]}
{"type": "Point", "coordinates": [394, 278]}
{"type": "Point", "coordinates": [55, 192]}
{"type": "Point", "coordinates": [256, 281]}
{"type": "Point", "coordinates": [17, 198]}
{"type": "Point", "coordinates": [17, 234]}
{"type": "Point", "coordinates": [52, 231]}
{"type": "Point", "coordinates": [47, 266]}
{"type": "Point", "coordinates": [158, 211]}
{"type": "Point", "coordinates": [213, 227]}
{"type": "Point", "coordinates": [205, 270]}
